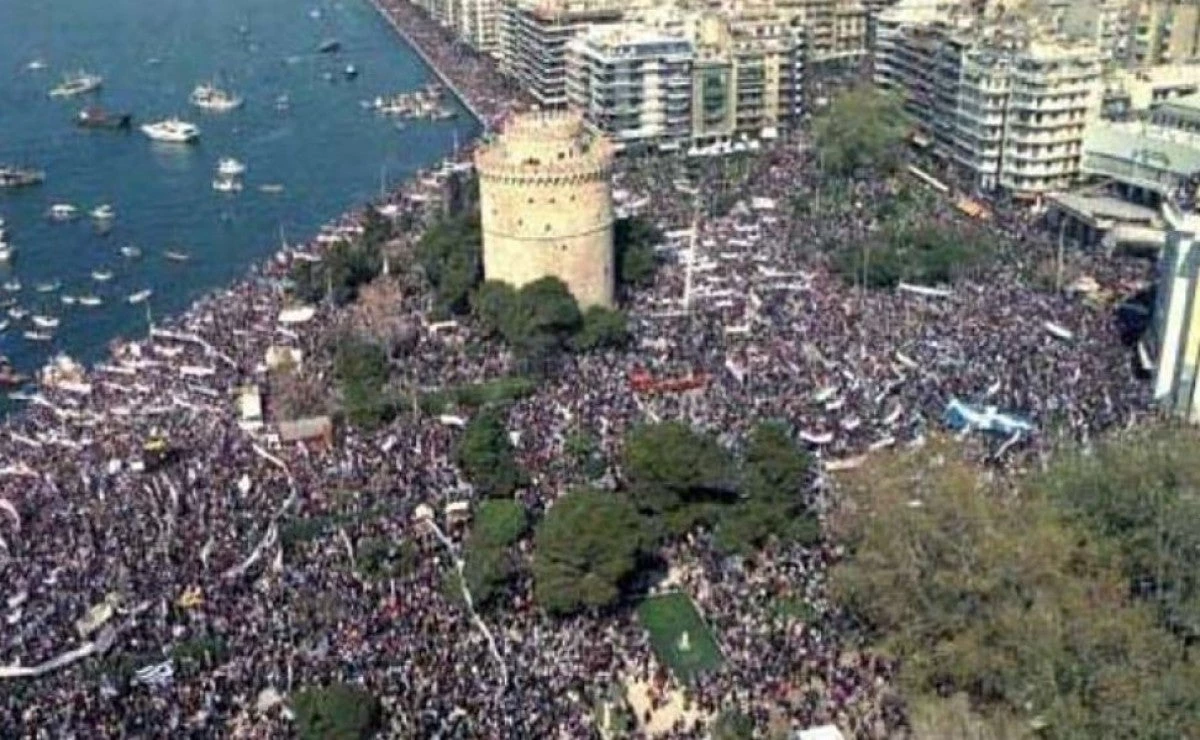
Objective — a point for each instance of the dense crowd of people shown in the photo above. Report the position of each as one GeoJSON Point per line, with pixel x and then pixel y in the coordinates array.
{"type": "Point", "coordinates": [147, 534]}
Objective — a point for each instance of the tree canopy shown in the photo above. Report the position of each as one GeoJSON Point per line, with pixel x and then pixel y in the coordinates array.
{"type": "Point", "coordinates": [346, 266]}
{"type": "Point", "coordinates": [336, 712]}
{"type": "Point", "coordinates": [585, 548]}
{"type": "Point", "coordinates": [924, 253]}
{"type": "Point", "coordinates": [999, 597]}
{"type": "Point", "coordinates": [862, 130]}
{"type": "Point", "coordinates": [634, 239]}
{"type": "Point", "coordinates": [485, 454]}
{"type": "Point", "coordinates": [451, 254]}
{"type": "Point", "coordinates": [361, 369]}
{"type": "Point", "coordinates": [670, 468]}
{"type": "Point", "coordinates": [489, 563]}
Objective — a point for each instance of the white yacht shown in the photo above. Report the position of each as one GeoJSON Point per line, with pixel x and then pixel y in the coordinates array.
{"type": "Point", "coordinates": [230, 167]}
{"type": "Point", "coordinates": [131, 252]}
{"type": "Point", "coordinates": [63, 212]}
{"type": "Point", "coordinates": [176, 255]}
{"type": "Point", "coordinates": [39, 336]}
{"type": "Point", "coordinates": [102, 275]}
{"type": "Point", "coordinates": [17, 313]}
{"type": "Point", "coordinates": [6, 251]}
{"type": "Point", "coordinates": [90, 300]}
{"type": "Point", "coordinates": [172, 130]}
{"type": "Point", "coordinates": [67, 300]}
{"type": "Point", "coordinates": [103, 213]}
{"type": "Point", "coordinates": [140, 296]}
{"type": "Point", "coordinates": [212, 98]}
{"type": "Point", "coordinates": [227, 185]}
{"type": "Point", "coordinates": [77, 84]}
{"type": "Point", "coordinates": [36, 65]}
{"type": "Point", "coordinates": [49, 287]}
{"type": "Point", "coordinates": [45, 322]}
{"type": "Point", "coordinates": [12, 286]}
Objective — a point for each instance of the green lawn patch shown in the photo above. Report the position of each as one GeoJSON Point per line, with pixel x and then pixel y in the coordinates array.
{"type": "Point", "coordinates": [474, 395]}
{"type": "Point", "coordinates": [667, 618]}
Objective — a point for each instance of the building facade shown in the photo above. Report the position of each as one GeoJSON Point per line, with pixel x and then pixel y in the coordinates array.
{"type": "Point", "coordinates": [1175, 336]}
{"type": "Point", "coordinates": [546, 205]}
{"type": "Point", "coordinates": [1167, 32]}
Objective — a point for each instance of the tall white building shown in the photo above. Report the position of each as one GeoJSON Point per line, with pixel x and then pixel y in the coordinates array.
{"type": "Point", "coordinates": [1175, 336]}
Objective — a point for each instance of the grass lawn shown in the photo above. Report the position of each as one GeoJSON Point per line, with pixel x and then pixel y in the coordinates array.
{"type": "Point", "coordinates": [666, 618]}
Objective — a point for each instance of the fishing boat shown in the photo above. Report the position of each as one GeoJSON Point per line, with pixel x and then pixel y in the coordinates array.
{"type": "Point", "coordinates": [19, 177]}
{"type": "Point", "coordinates": [90, 300]}
{"type": "Point", "coordinates": [45, 322]}
{"type": "Point", "coordinates": [230, 167]}
{"type": "Point", "coordinates": [103, 212]}
{"type": "Point", "coordinates": [177, 256]}
{"type": "Point", "coordinates": [39, 336]}
{"type": "Point", "coordinates": [131, 252]}
{"type": "Point", "coordinates": [329, 46]}
{"type": "Point", "coordinates": [67, 300]}
{"type": "Point", "coordinates": [102, 275]}
{"type": "Point", "coordinates": [63, 212]}
{"type": "Point", "coordinates": [49, 287]}
{"type": "Point", "coordinates": [227, 185]}
{"type": "Point", "coordinates": [96, 117]}
{"type": "Point", "coordinates": [140, 296]}
{"type": "Point", "coordinates": [212, 98]}
{"type": "Point", "coordinates": [172, 130]}
{"type": "Point", "coordinates": [16, 313]}
{"type": "Point", "coordinates": [77, 84]}
{"type": "Point", "coordinates": [350, 72]}
{"type": "Point", "coordinates": [12, 286]}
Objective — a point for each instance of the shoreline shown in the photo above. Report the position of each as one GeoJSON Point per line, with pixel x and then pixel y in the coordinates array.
{"type": "Point", "coordinates": [429, 63]}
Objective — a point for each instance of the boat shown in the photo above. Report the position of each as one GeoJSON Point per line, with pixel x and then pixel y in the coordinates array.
{"type": "Point", "coordinates": [12, 286]}
{"type": "Point", "coordinates": [67, 300]}
{"type": "Point", "coordinates": [6, 252]}
{"type": "Point", "coordinates": [63, 212]}
{"type": "Point", "coordinates": [9, 377]}
{"type": "Point", "coordinates": [172, 130]}
{"type": "Point", "coordinates": [270, 187]}
{"type": "Point", "coordinates": [212, 98]}
{"type": "Point", "coordinates": [227, 185]}
{"type": "Point", "coordinates": [283, 102]}
{"type": "Point", "coordinates": [103, 212]}
{"type": "Point", "coordinates": [101, 275]}
{"type": "Point", "coordinates": [18, 177]}
{"type": "Point", "coordinates": [49, 287]}
{"type": "Point", "coordinates": [39, 336]}
{"type": "Point", "coordinates": [3, 324]}
{"type": "Point", "coordinates": [140, 296]}
{"type": "Point", "coordinates": [329, 46]}
{"type": "Point", "coordinates": [131, 252]}
{"type": "Point", "coordinates": [96, 117]}
{"type": "Point", "coordinates": [177, 256]}
{"type": "Point", "coordinates": [90, 300]}
{"type": "Point", "coordinates": [35, 65]}
{"type": "Point", "coordinates": [77, 84]}
{"type": "Point", "coordinates": [17, 313]}
{"type": "Point", "coordinates": [230, 167]}
{"type": "Point", "coordinates": [350, 72]}
{"type": "Point", "coordinates": [45, 322]}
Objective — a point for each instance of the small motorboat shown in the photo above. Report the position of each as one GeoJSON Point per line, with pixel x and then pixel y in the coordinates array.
{"type": "Point", "coordinates": [45, 322]}
{"type": "Point", "coordinates": [283, 102]}
{"type": "Point", "coordinates": [329, 46]}
{"type": "Point", "coordinates": [227, 185]}
{"type": "Point", "coordinates": [90, 300]}
{"type": "Point", "coordinates": [177, 256]}
{"type": "Point", "coordinates": [3, 324]}
{"type": "Point", "coordinates": [230, 167]}
{"type": "Point", "coordinates": [140, 296]}
{"type": "Point", "coordinates": [67, 300]}
{"type": "Point", "coordinates": [350, 72]}
{"type": "Point", "coordinates": [77, 84]}
{"type": "Point", "coordinates": [131, 252]}
{"type": "Point", "coordinates": [17, 177]}
{"type": "Point", "coordinates": [17, 313]}
{"type": "Point", "coordinates": [96, 117]}
{"type": "Point", "coordinates": [212, 98]}
{"type": "Point", "coordinates": [36, 65]}
{"type": "Point", "coordinates": [12, 286]}
{"type": "Point", "coordinates": [271, 188]}
{"type": "Point", "coordinates": [172, 130]}
{"type": "Point", "coordinates": [39, 336]}
{"type": "Point", "coordinates": [7, 252]}
{"type": "Point", "coordinates": [103, 212]}
{"type": "Point", "coordinates": [49, 287]}
{"type": "Point", "coordinates": [102, 275]}
{"type": "Point", "coordinates": [63, 212]}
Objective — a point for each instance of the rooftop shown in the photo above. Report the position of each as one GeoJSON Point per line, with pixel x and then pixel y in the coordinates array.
{"type": "Point", "coordinates": [1156, 146]}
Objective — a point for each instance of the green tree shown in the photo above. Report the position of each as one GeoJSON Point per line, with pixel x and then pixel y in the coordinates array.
{"type": "Point", "coordinates": [583, 449]}
{"type": "Point", "coordinates": [732, 724]}
{"type": "Point", "coordinates": [585, 548]}
{"type": "Point", "coordinates": [634, 239]}
{"type": "Point", "coordinates": [495, 305]}
{"type": "Point", "coordinates": [485, 455]}
{"type": "Point", "coordinates": [361, 369]}
{"type": "Point", "coordinates": [336, 712]}
{"type": "Point", "coordinates": [676, 473]}
{"type": "Point", "coordinates": [862, 129]}
{"type": "Point", "coordinates": [450, 253]}
{"type": "Point", "coordinates": [602, 328]}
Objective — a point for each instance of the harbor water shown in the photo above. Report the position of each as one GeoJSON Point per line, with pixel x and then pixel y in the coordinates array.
{"type": "Point", "coordinates": [327, 151]}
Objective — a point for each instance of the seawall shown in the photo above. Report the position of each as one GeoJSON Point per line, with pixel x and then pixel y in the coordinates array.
{"type": "Point", "coordinates": [441, 74]}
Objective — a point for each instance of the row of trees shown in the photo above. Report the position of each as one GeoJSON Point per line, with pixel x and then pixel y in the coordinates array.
{"type": "Point", "coordinates": [346, 266]}
{"type": "Point", "coordinates": [1067, 605]}
{"type": "Point", "coordinates": [592, 544]}
{"type": "Point", "coordinates": [926, 253]}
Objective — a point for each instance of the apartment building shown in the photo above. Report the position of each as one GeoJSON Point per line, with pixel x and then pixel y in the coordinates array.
{"type": "Point", "coordinates": [1180, 114]}
{"type": "Point", "coordinates": [838, 30]}
{"type": "Point", "coordinates": [534, 37]}
{"type": "Point", "coordinates": [692, 79]}
{"type": "Point", "coordinates": [1008, 109]}
{"type": "Point", "coordinates": [1174, 340]}
{"type": "Point", "coordinates": [1167, 32]}
{"type": "Point", "coordinates": [1130, 94]}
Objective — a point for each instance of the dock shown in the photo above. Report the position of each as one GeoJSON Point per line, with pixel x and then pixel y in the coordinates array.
{"type": "Point", "coordinates": [439, 73]}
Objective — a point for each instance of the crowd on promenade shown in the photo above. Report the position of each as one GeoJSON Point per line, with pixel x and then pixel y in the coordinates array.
{"type": "Point", "coordinates": [142, 524]}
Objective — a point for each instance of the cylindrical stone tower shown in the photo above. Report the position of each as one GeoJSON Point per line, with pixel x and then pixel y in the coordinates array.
{"type": "Point", "coordinates": [546, 206]}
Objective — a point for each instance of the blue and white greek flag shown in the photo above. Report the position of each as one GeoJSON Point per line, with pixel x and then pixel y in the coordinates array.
{"type": "Point", "coordinates": [159, 674]}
